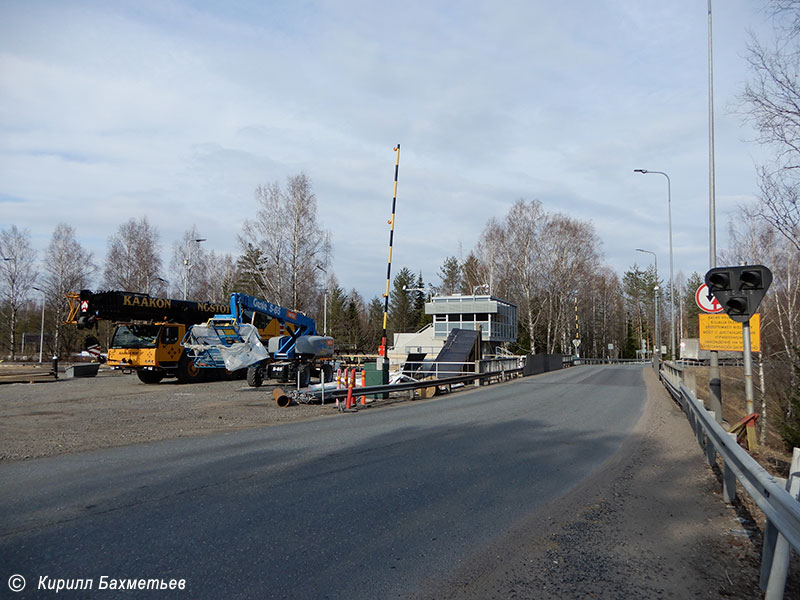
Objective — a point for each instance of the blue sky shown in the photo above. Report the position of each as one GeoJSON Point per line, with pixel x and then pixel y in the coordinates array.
{"type": "Point", "coordinates": [177, 110]}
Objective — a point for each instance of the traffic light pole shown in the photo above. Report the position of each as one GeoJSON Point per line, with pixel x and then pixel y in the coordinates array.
{"type": "Point", "coordinates": [748, 367]}
{"type": "Point", "coordinates": [739, 290]}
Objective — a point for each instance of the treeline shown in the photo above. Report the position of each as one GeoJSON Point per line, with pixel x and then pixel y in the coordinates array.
{"type": "Point", "coordinates": [550, 265]}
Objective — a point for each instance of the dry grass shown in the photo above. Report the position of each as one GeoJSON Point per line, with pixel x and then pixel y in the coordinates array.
{"type": "Point", "coordinates": [773, 454]}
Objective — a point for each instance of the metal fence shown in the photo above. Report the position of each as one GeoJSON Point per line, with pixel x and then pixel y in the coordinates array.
{"type": "Point", "coordinates": [777, 499]}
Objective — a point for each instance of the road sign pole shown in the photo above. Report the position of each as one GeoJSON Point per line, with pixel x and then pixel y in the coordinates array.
{"type": "Point", "coordinates": [748, 367]}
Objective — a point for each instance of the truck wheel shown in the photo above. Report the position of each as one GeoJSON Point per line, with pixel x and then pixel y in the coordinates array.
{"type": "Point", "coordinates": [255, 375]}
{"type": "Point", "coordinates": [187, 371]}
{"type": "Point", "coordinates": [327, 373]}
{"type": "Point", "coordinates": [305, 375]}
{"type": "Point", "coordinates": [149, 376]}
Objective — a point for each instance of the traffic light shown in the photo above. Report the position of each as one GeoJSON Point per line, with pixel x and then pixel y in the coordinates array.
{"type": "Point", "coordinates": [739, 289]}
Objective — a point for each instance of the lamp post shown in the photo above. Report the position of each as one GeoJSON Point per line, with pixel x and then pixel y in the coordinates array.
{"type": "Point", "coordinates": [714, 379]}
{"type": "Point", "coordinates": [657, 333]}
{"type": "Point", "coordinates": [657, 353]}
{"type": "Point", "coordinates": [324, 304]}
{"type": "Point", "coordinates": [41, 332]}
{"type": "Point", "coordinates": [671, 278]}
{"type": "Point", "coordinates": [187, 266]}
{"type": "Point", "coordinates": [477, 287]}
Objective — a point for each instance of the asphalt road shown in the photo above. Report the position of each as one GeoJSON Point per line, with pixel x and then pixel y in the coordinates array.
{"type": "Point", "coordinates": [366, 505]}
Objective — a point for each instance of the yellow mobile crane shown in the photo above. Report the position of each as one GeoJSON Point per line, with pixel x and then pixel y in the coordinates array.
{"type": "Point", "coordinates": [148, 331]}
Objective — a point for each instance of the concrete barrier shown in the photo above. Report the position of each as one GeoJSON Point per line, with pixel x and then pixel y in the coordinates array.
{"type": "Point", "coordinates": [82, 370]}
{"type": "Point", "coordinates": [541, 363]}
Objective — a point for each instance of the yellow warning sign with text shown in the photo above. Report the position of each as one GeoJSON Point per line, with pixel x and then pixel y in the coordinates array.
{"type": "Point", "coordinates": [720, 332]}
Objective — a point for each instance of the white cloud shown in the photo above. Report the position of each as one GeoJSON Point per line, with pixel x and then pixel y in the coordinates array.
{"type": "Point", "coordinates": [178, 110]}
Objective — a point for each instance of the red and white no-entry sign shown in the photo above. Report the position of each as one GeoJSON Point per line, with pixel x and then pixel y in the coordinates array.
{"type": "Point", "coordinates": [706, 300]}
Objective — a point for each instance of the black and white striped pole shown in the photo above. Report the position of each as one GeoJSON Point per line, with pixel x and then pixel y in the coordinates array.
{"type": "Point", "coordinates": [382, 349]}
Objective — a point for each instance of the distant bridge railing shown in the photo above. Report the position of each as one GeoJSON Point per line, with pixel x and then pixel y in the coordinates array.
{"type": "Point", "coordinates": [780, 506]}
{"type": "Point", "coordinates": [610, 361]}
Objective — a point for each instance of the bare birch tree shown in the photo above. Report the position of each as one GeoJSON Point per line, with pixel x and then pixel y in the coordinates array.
{"type": "Point", "coordinates": [771, 102]}
{"type": "Point", "coordinates": [290, 242]}
{"type": "Point", "coordinates": [601, 310]}
{"type": "Point", "coordinates": [753, 242]}
{"type": "Point", "coordinates": [18, 277]}
{"type": "Point", "coordinates": [520, 239]}
{"type": "Point", "coordinates": [133, 262]}
{"type": "Point", "coordinates": [473, 273]}
{"type": "Point", "coordinates": [222, 276]}
{"type": "Point", "coordinates": [569, 252]}
{"type": "Point", "coordinates": [68, 268]}
{"type": "Point", "coordinates": [540, 262]}
{"type": "Point", "coordinates": [189, 266]}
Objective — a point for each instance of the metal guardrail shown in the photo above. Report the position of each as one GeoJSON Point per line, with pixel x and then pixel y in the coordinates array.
{"type": "Point", "coordinates": [477, 378]}
{"type": "Point", "coordinates": [781, 509]}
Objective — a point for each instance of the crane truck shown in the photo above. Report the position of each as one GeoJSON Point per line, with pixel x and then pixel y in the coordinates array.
{"type": "Point", "coordinates": [229, 341]}
{"type": "Point", "coordinates": [147, 332]}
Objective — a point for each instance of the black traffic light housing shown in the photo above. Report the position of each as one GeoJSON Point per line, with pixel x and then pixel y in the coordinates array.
{"type": "Point", "coordinates": [739, 289]}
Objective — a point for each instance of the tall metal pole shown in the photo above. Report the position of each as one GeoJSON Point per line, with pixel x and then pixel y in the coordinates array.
{"type": "Point", "coordinates": [656, 333]}
{"type": "Point", "coordinates": [673, 349]}
{"type": "Point", "coordinates": [324, 303]}
{"type": "Point", "coordinates": [382, 349]}
{"type": "Point", "coordinates": [657, 349]}
{"type": "Point", "coordinates": [714, 379]}
{"type": "Point", "coordinates": [748, 367]}
{"type": "Point", "coordinates": [673, 342]}
{"type": "Point", "coordinates": [41, 331]}
{"type": "Point", "coordinates": [186, 271]}
{"type": "Point", "coordinates": [187, 266]}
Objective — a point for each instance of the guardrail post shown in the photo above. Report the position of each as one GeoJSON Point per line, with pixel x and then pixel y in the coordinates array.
{"type": "Point", "coordinates": [698, 431]}
{"type": "Point", "coordinates": [767, 553]}
{"type": "Point", "coordinates": [728, 484]}
{"type": "Point", "coordinates": [711, 453]}
{"type": "Point", "coordinates": [780, 558]}
{"type": "Point", "coordinates": [690, 380]}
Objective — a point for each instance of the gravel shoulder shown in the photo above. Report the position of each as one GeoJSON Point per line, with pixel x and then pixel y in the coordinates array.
{"type": "Point", "coordinates": [650, 524]}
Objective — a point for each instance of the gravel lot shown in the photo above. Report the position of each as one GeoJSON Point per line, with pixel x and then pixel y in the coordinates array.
{"type": "Point", "coordinates": [115, 409]}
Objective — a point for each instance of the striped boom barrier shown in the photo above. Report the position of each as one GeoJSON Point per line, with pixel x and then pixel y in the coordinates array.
{"type": "Point", "coordinates": [382, 349]}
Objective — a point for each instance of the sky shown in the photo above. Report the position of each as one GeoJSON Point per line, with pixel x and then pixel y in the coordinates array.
{"type": "Point", "coordinates": [178, 110]}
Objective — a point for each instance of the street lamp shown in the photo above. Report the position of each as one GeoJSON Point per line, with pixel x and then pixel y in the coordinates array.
{"type": "Point", "coordinates": [41, 333]}
{"type": "Point", "coordinates": [187, 266]}
{"type": "Point", "coordinates": [671, 278]}
{"type": "Point", "coordinates": [324, 304]}
{"type": "Point", "coordinates": [477, 287]}
{"type": "Point", "coordinates": [415, 289]}
{"type": "Point", "coordinates": [657, 336]}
